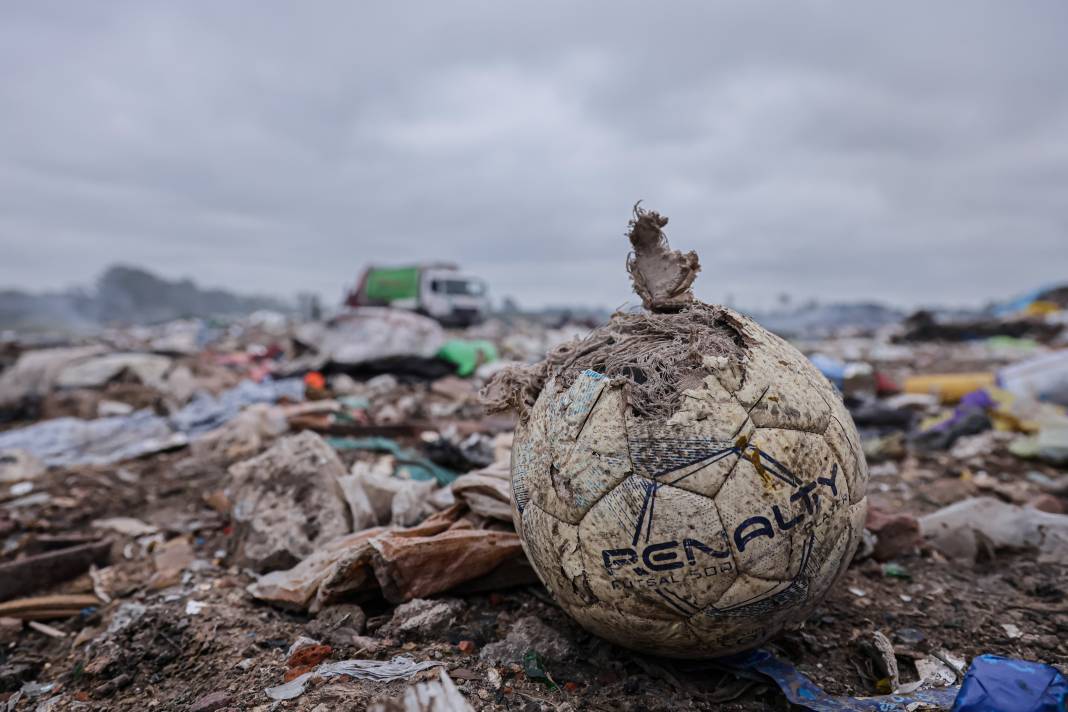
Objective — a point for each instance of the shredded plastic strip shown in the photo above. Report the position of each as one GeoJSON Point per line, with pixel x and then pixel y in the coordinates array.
{"type": "Point", "coordinates": [399, 668]}
{"type": "Point", "coordinates": [419, 467]}
{"type": "Point", "coordinates": [801, 691]}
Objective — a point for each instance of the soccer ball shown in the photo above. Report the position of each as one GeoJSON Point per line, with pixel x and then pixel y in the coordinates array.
{"type": "Point", "coordinates": [703, 533]}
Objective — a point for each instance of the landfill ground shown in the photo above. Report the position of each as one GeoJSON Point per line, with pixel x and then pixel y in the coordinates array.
{"type": "Point", "coordinates": [163, 618]}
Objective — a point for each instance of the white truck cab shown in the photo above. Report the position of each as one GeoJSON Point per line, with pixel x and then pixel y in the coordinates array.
{"type": "Point", "coordinates": [452, 297]}
{"type": "Point", "coordinates": [440, 291]}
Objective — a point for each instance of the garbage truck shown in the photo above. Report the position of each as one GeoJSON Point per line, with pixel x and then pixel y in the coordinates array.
{"type": "Point", "coordinates": [438, 290]}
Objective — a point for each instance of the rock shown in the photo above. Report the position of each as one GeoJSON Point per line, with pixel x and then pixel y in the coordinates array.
{"type": "Point", "coordinates": [13, 675]}
{"type": "Point", "coordinates": [1013, 491]}
{"type": "Point", "coordinates": [19, 466]}
{"type": "Point", "coordinates": [896, 534]}
{"type": "Point", "coordinates": [308, 656]}
{"type": "Point", "coordinates": [528, 633]}
{"type": "Point", "coordinates": [454, 388]}
{"type": "Point", "coordinates": [971, 446]}
{"type": "Point", "coordinates": [242, 437]}
{"type": "Point", "coordinates": [126, 615]}
{"type": "Point", "coordinates": [909, 636]}
{"type": "Point", "coordinates": [947, 490]}
{"type": "Point", "coordinates": [171, 559]}
{"type": "Point", "coordinates": [423, 618]}
{"type": "Point", "coordinates": [1048, 503]}
{"type": "Point", "coordinates": [108, 657]}
{"type": "Point", "coordinates": [116, 683]}
{"type": "Point", "coordinates": [366, 644]}
{"type": "Point", "coordinates": [211, 702]}
{"type": "Point", "coordinates": [287, 502]}
{"type": "Point", "coordinates": [338, 625]}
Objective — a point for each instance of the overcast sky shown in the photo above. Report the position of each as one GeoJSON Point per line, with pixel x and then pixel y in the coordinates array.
{"type": "Point", "coordinates": [912, 153]}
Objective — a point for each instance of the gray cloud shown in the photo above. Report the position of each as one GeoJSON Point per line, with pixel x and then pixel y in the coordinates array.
{"type": "Point", "coordinates": [908, 152]}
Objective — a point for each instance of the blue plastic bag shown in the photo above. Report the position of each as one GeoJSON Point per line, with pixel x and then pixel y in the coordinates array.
{"type": "Point", "coordinates": [996, 684]}
{"type": "Point", "coordinates": [804, 693]}
{"type": "Point", "coordinates": [992, 684]}
{"type": "Point", "coordinates": [831, 368]}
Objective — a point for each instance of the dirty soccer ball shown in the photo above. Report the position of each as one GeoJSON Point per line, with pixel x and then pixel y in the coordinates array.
{"type": "Point", "coordinates": [703, 529]}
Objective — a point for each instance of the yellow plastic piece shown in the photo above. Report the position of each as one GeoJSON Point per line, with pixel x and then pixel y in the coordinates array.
{"type": "Point", "coordinates": [949, 387]}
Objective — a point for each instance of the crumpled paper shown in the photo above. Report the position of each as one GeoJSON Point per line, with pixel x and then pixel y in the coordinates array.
{"type": "Point", "coordinates": [442, 552]}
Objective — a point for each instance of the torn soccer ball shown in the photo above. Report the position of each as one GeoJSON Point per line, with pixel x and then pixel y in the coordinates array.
{"type": "Point", "coordinates": [685, 483]}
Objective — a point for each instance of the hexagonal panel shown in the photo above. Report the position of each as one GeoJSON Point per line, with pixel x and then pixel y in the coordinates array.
{"type": "Point", "coordinates": [778, 389]}
{"type": "Point", "coordinates": [809, 459]}
{"type": "Point", "coordinates": [755, 609]}
{"type": "Point", "coordinates": [655, 550]}
{"type": "Point", "coordinates": [599, 458]}
{"type": "Point", "coordinates": [586, 466]}
{"type": "Point", "coordinates": [552, 546]}
{"type": "Point", "coordinates": [831, 529]}
{"type": "Point", "coordinates": [858, 514]}
{"type": "Point", "coordinates": [764, 516]}
{"type": "Point", "coordinates": [568, 412]}
{"type": "Point", "coordinates": [530, 459]}
{"type": "Point", "coordinates": [696, 457]}
{"type": "Point", "coordinates": [572, 450]}
{"type": "Point", "coordinates": [843, 440]}
{"type": "Point", "coordinates": [648, 635]}
{"type": "Point", "coordinates": [727, 635]}
{"type": "Point", "coordinates": [831, 550]}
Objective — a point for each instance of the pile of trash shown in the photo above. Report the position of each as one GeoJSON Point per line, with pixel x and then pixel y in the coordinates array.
{"type": "Point", "coordinates": [214, 516]}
